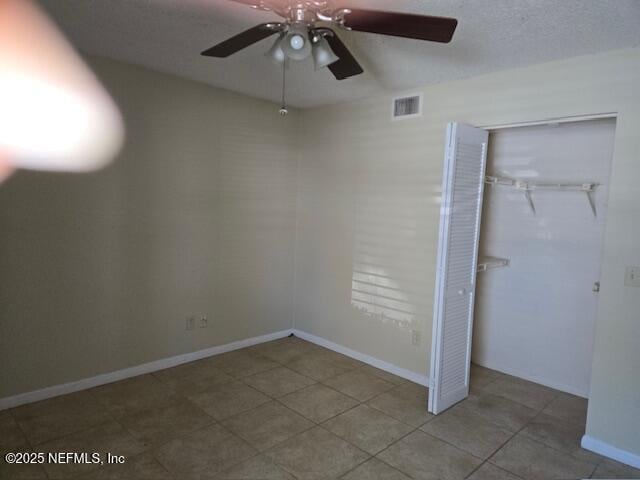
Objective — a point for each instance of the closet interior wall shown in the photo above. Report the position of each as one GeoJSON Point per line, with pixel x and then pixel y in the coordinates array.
{"type": "Point", "coordinates": [535, 318]}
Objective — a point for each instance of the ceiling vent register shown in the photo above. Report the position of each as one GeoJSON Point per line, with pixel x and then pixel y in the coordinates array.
{"type": "Point", "coordinates": [407, 107]}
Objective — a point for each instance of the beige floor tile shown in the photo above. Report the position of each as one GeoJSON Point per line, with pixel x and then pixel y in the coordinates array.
{"type": "Point", "coordinates": [200, 455]}
{"type": "Point", "coordinates": [367, 428]}
{"type": "Point", "coordinates": [267, 425]}
{"type": "Point", "coordinates": [521, 391]}
{"type": "Point", "coordinates": [499, 410]}
{"type": "Point", "coordinates": [194, 371]}
{"type": "Point", "coordinates": [278, 381]}
{"type": "Point", "coordinates": [560, 435]}
{"type": "Point", "coordinates": [133, 395]}
{"type": "Point", "coordinates": [491, 472]}
{"type": "Point", "coordinates": [193, 377]}
{"type": "Point", "coordinates": [192, 388]}
{"type": "Point", "coordinates": [20, 472]}
{"type": "Point", "coordinates": [226, 400]}
{"type": "Point", "coordinates": [110, 437]}
{"type": "Point", "coordinates": [285, 350]}
{"type": "Point", "coordinates": [340, 360]}
{"type": "Point", "coordinates": [386, 376]}
{"type": "Point", "coordinates": [612, 469]}
{"type": "Point", "coordinates": [481, 377]}
{"type": "Point", "coordinates": [285, 342]}
{"type": "Point", "coordinates": [316, 365]}
{"type": "Point", "coordinates": [422, 456]}
{"type": "Point", "coordinates": [189, 444]}
{"type": "Point", "coordinates": [56, 417]}
{"type": "Point", "coordinates": [468, 431]}
{"type": "Point", "coordinates": [11, 436]}
{"type": "Point", "coordinates": [160, 424]}
{"type": "Point", "coordinates": [359, 385]}
{"type": "Point", "coordinates": [318, 402]}
{"type": "Point", "coordinates": [142, 467]}
{"type": "Point", "coordinates": [256, 468]}
{"type": "Point", "coordinates": [407, 403]}
{"type": "Point", "coordinates": [13, 440]}
{"type": "Point", "coordinates": [243, 363]}
{"type": "Point", "coordinates": [374, 469]}
{"type": "Point", "coordinates": [533, 460]}
{"type": "Point", "coordinates": [317, 455]}
{"type": "Point", "coordinates": [569, 408]}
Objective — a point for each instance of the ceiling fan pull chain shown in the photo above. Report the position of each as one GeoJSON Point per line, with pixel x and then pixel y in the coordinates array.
{"type": "Point", "coordinates": [283, 109]}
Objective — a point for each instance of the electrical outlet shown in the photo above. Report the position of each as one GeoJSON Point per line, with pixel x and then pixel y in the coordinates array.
{"type": "Point", "coordinates": [190, 323]}
{"type": "Point", "coordinates": [204, 322]}
{"type": "Point", "coordinates": [632, 277]}
{"type": "Point", "coordinates": [415, 337]}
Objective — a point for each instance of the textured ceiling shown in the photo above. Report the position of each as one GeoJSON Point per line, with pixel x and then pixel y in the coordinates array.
{"type": "Point", "coordinates": [168, 35]}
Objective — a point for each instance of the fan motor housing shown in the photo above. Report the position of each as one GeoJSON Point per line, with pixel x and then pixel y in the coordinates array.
{"type": "Point", "coordinates": [302, 15]}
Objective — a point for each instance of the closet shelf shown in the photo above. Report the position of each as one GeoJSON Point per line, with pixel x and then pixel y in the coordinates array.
{"type": "Point", "coordinates": [487, 262]}
{"type": "Point", "coordinates": [528, 187]}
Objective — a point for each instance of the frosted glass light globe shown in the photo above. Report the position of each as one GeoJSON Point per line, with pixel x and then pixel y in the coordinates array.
{"type": "Point", "coordinates": [296, 42]}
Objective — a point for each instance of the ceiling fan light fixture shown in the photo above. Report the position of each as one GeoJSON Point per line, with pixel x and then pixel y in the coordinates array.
{"type": "Point", "coordinates": [296, 44]}
{"type": "Point", "coordinates": [306, 29]}
{"type": "Point", "coordinates": [276, 53]}
{"type": "Point", "coordinates": [323, 56]}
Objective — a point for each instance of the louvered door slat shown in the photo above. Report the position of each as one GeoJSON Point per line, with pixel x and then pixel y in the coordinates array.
{"type": "Point", "coordinates": [463, 182]}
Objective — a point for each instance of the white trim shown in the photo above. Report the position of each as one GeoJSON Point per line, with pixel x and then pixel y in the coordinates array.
{"type": "Point", "coordinates": [375, 362]}
{"type": "Point", "coordinates": [533, 378]}
{"type": "Point", "coordinates": [575, 118]}
{"type": "Point", "coordinates": [56, 390]}
{"type": "Point", "coordinates": [607, 450]}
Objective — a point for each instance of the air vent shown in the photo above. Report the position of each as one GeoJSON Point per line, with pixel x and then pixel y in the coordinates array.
{"type": "Point", "coordinates": [407, 107]}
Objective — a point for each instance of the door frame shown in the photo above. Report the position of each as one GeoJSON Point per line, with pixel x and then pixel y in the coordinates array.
{"type": "Point", "coordinates": [550, 120]}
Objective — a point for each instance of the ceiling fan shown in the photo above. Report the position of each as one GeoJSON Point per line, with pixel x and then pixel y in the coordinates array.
{"type": "Point", "coordinates": [305, 32]}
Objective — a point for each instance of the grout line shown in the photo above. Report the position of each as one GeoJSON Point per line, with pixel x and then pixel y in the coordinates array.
{"type": "Point", "coordinates": [356, 466]}
{"type": "Point", "coordinates": [26, 438]}
{"type": "Point", "coordinates": [152, 448]}
{"type": "Point", "coordinates": [487, 460]}
{"type": "Point", "coordinates": [321, 424]}
{"type": "Point", "coordinates": [540, 412]}
{"type": "Point", "coordinates": [394, 443]}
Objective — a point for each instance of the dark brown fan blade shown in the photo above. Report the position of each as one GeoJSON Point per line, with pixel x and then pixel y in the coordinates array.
{"type": "Point", "coordinates": [247, 2]}
{"type": "Point", "coordinates": [347, 66]}
{"type": "Point", "coordinates": [240, 41]}
{"type": "Point", "coordinates": [264, 3]}
{"type": "Point", "coordinates": [419, 27]}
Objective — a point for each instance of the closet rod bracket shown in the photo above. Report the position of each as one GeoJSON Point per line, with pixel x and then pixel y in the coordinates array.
{"type": "Point", "coordinates": [486, 262]}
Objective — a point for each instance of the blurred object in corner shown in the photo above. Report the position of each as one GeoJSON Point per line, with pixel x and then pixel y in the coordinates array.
{"type": "Point", "coordinates": [54, 114]}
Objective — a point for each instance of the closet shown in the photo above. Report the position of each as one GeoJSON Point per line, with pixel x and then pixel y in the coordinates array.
{"type": "Point", "coordinates": [520, 252]}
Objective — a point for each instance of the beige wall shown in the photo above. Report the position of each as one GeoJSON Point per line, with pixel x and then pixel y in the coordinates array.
{"type": "Point", "coordinates": [368, 200]}
{"type": "Point", "coordinates": [197, 215]}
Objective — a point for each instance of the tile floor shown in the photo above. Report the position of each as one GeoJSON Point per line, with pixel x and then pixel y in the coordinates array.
{"type": "Point", "coordinates": [292, 410]}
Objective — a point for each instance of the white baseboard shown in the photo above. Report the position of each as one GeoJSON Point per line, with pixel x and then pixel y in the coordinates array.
{"type": "Point", "coordinates": [532, 378]}
{"type": "Point", "coordinates": [606, 450]}
{"type": "Point", "coordinates": [57, 390]}
{"type": "Point", "coordinates": [375, 362]}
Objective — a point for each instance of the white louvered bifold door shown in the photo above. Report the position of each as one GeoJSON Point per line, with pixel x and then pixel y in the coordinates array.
{"type": "Point", "coordinates": [461, 209]}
